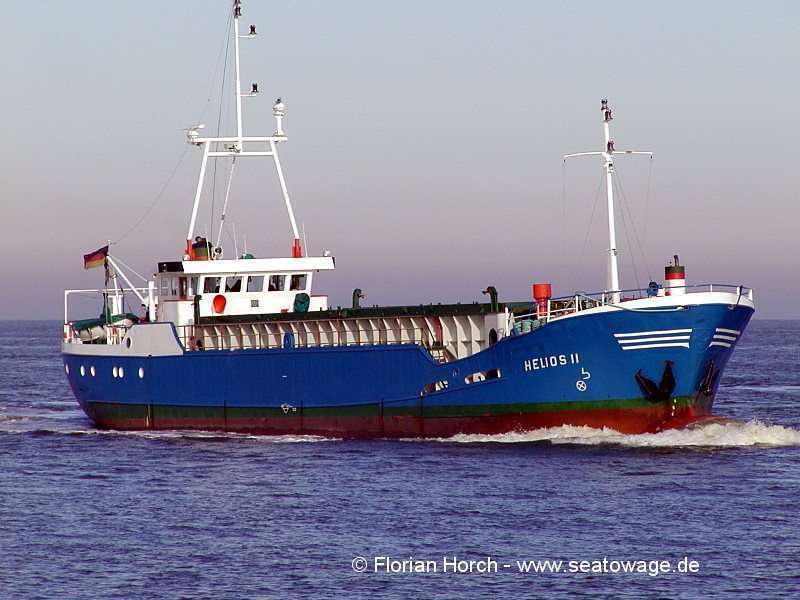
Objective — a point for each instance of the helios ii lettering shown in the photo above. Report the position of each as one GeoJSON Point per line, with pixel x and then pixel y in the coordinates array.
{"type": "Point", "coordinates": [551, 361]}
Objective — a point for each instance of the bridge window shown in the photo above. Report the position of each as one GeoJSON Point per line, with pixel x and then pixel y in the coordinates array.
{"type": "Point", "coordinates": [255, 283]}
{"type": "Point", "coordinates": [298, 282]}
{"type": "Point", "coordinates": [233, 283]}
{"type": "Point", "coordinates": [277, 283]}
{"type": "Point", "coordinates": [173, 286]}
{"type": "Point", "coordinates": [211, 285]}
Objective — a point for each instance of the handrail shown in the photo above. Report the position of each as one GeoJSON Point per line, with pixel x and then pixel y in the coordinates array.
{"type": "Point", "coordinates": [578, 301]}
{"type": "Point", "coordinates": [114, 333]}
{"type": "Point", "coordinates": [339, 332]}
{"type": "Point", "coordinates": [739, 289]}
{"type": "Point", "coordinates": [245, 336]}
{"type": "Point", "coordinates": [68, 293]}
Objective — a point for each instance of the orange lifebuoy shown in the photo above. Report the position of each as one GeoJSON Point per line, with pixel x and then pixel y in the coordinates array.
{"type": "Point", "coordinates": [218, 304]}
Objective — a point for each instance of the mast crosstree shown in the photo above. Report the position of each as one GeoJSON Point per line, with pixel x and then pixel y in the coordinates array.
{"type": "Point", "coordinates": [240, 145]}
{"type": "Point", "coordinates": [607, 154]}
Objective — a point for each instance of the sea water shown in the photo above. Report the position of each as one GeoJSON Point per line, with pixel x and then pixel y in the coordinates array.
{"type": "Point", "coordinates": [710, 511]}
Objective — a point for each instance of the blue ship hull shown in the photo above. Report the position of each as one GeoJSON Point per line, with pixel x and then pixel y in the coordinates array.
{"type": "Point", "coordinates": [581, 370]}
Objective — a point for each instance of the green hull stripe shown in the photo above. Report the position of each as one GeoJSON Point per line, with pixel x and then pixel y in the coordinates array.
{"type": "Point", "coordinates": [128, 411]}
{"type": "Point", "coordinates": [540, 407]}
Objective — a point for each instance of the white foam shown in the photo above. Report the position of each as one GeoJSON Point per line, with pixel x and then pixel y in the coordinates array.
{"type": "Point", "coordinates": [212, 435]}
{"type": "Point", "coordinates": [727, 433]}
{"type": "Point", "coordinates": [12, 418]}
{"type": "Point", "coordinates": [178, 435]}
{"type": "Point", "coordinates": [712, 434]}
{"type": "Point", "coordinates": [765, 388]}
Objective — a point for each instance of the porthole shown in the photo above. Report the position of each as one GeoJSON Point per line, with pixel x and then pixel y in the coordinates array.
{"type": "Point", "coordinates": [114, 372]}
{"type": "Point", "coordinates": [141, 372]}
{"type": "Point", "coordinates": [121, 372]}
{"type": "Point", "coordinates": [92, 371]}
{"type": "Point", "coordinates": [128, 343]}
{"type": "Point", "coordinates": [83, 371]}
{"type": "Point", "coordinates": [66, 369]}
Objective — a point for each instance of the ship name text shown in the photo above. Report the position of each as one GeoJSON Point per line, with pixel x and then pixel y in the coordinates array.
{"type": "Point", "coordinates": [551, 361]}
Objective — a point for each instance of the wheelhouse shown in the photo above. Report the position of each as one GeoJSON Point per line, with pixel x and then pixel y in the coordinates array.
{"type": "Point", "coordinates": [189, 290]}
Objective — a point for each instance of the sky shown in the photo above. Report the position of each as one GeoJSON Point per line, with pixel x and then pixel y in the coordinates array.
{"type": "Point", "coordinates": [425, 142]}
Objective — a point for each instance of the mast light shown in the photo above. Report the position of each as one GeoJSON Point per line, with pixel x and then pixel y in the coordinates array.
{"type": "Point", "coordinates": [607, 112]}
{"type": "Point", "coordinates": [279, 110]}
{"type": "Point", "coordinates": [192, 133]}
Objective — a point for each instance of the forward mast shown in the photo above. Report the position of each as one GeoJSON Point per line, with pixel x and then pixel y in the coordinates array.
{"type": "Point", "coordinates": [607, 155]}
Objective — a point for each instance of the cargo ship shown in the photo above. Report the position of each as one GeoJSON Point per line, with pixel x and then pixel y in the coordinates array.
{"type": "Point", "coordinates": [242, 344]}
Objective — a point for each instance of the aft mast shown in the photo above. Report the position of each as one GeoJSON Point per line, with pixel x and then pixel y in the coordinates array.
{"type": "Point", "coordinates": [241, 146]}
{"type": "Point", "coordinates": [608, 166]}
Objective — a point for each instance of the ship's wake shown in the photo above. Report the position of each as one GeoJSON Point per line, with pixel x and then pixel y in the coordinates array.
{"type": "Point", "coordinates": [715, 433]}
{"type": "Point", "coordinates": [41, 426]}
{"type": "Point", "coordinates": [181, 435]}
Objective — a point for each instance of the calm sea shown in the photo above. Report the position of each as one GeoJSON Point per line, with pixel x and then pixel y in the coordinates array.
{"type": "Point", "coordinates": [91, 514]}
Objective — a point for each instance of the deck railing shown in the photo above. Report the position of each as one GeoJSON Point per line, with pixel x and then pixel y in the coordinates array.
{"type": "Point", "coordinates": [581, 301]}
{"type": "Point", "coordinates": [352, 332]}
{"type": "Point", "coordinates": [445, 340]}
{"type": "Point", "coordinates": [114, 333]}
{"type": "Point", "coordinates": [295, 334]}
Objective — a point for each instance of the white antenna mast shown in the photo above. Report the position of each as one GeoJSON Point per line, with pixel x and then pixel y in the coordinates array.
{"type": "Point", "coordinates": [608, 161]}
{"type": "Point", "coordinates": [234, 147]}
{"type": "Point", "coordinates": [237, 12]}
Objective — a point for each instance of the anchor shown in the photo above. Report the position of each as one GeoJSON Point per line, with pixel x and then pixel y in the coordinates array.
{"type": "Point", "coordinates": [706, 386]}
{"type": "Point", "coordinates": [658, 392]}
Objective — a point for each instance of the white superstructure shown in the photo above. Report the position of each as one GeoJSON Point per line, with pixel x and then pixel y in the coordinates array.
{"type": "Point", "coordinates": [192, 288]}
{"type": "Point", "coordinates": [203, 283]}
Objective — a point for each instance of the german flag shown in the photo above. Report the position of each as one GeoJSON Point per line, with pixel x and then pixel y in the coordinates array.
{"type": "Point", "coordinates": [96, 258]}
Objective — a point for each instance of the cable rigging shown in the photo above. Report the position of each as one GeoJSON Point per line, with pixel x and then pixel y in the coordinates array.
{"type": "Point", "coordinates": [219, 123]}
{"type": "Point", "coordinates": [626, 226]}
{"type": "Point", "coordinates": [591, 217]}
{"type": "Point", "coordinates": [172, 174]}
{"type": "Point", "coordinates": [626, 207]}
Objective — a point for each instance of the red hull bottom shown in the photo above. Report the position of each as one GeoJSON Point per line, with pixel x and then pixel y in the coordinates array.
{"type": "Point", "coordinates": [649, 418]}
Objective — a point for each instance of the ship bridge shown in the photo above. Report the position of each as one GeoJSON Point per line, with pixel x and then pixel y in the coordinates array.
{"type": "Point", "coordinates": [189, 290]}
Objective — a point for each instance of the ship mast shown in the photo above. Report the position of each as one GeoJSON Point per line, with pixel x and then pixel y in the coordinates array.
{"type": "Point", "coordinates": [237, 12]}
{"type": "Point", "coordinates": [234, 147]}
{"type": "Point", "coordinates": [613, 267]}
{"type": "Point", "coordinates": [608, 166]}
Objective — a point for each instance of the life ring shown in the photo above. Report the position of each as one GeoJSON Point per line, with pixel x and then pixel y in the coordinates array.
{"type": "Point", "coordinates": [218, 304]}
